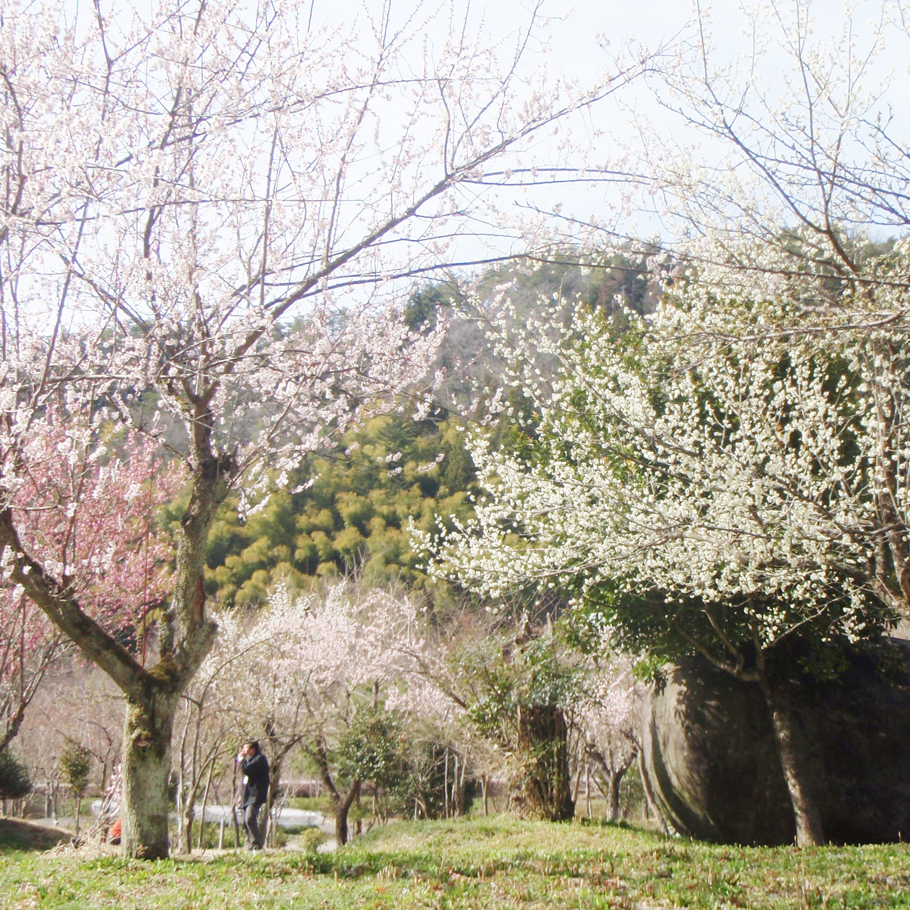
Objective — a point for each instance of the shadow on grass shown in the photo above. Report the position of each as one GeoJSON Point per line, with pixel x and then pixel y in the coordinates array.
{"type": "Point", "coordinates": [16, 834]}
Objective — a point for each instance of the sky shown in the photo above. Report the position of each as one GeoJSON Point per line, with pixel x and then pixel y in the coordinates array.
{"type": "Point", "coordinates": [578, 32]}
{"type": "Point", "coordinates": [582, 36]}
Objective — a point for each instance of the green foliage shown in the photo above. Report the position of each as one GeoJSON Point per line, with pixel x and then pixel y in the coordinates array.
{"type": "Point", "coordinates": [509, 665]}
{"type": "Point", "coordinates": [14, 782]}
{"type": "Point", "coordinates": [348, 508]}
{"type": "Point", "coordinates": [350, 512]}
{"type": "Point", "coordinates": [309, 840]}
{"type": "Point", "coordinates": [667, 629]}
{"type": "Point", "coordinates": [427, 792]}
{"type": "Point", "coordinates": [372, 750]}
{"type": "Point", "coordinates": [75, 765]}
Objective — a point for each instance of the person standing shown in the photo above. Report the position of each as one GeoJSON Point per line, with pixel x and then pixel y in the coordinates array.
{"type": "Point", "coordinates": [255, 769]}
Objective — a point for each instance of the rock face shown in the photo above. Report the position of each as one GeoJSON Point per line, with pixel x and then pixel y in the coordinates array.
{"type": "Point", "coordinates": [709, 753]}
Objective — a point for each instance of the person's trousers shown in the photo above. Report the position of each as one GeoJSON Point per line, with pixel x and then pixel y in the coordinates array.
{"type": "Point", "coordinates": [251, 824]}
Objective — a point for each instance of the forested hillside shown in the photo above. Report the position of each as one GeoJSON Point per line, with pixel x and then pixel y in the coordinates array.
{"type": "Point", "coordinates": [347, 509]}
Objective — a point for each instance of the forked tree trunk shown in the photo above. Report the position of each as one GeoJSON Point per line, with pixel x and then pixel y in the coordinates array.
{"type": "Point", "coordinates": [185, 638]}
{"type": "Point", "coordinates": [341, 802]}
{"type": "Point", "coordinates": [613, 780]}
{"type": "Point", "coordinates": [145, 804]}
{"type": "Point", "coordinates": [612, 771]}
{"type": "Point", "coordinates": [809, 830]}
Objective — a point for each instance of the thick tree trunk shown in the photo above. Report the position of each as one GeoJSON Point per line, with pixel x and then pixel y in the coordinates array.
{"type": "Point", "coordinates": [809, 831]}
{"type": "Point", "coordinates": [145, 804]}
{"type": "Point", "coordinates": [544, 787]}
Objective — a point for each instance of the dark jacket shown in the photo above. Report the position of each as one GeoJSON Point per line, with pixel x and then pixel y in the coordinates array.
{"type": "Point", "coordinates": [256, 779]}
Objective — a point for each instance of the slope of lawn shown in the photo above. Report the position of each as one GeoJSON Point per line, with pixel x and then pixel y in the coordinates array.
{"type": "Point", "coordinates": [480, 863]}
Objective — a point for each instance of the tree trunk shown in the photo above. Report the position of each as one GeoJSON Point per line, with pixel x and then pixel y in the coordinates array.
{"type": "Point", "coordinates": [187, 816]}
{"type": "Point", "coordinates": [614, 783]}
{"type": "Point", "coordinates": [544, 787]}
{"type": "Point", "coordinates": [650, 797]}
{"type": "Point", "coordinates": [145, 805]}
{"type": "Point", "coordinates": [205, 801]}
{"type": "Point", "coordinates": [342, 807]}
{"type": "Point", "coordinates": [341, 803]}
{"type": "Point", "coordinates": [809, 830]}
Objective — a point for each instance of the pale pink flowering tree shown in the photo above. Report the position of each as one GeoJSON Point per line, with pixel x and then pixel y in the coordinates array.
{"type": "Point", "coordinates": [300, 670]}
{"type": "Point", "coordinates": [202, 207]}
{"type": "Point", "coordinates": [606, 716]}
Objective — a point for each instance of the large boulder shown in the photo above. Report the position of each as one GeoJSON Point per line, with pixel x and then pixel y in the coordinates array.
{"type": "Point", "coordinates": [709, 754]}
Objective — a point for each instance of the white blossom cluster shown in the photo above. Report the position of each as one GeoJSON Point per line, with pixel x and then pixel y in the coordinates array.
{"type": "Point", "coordinates": [305, 663]}
{"type": "Point", "coordinates": [179, 185]}
{"type": "Point", "coordinates": [721, 450]}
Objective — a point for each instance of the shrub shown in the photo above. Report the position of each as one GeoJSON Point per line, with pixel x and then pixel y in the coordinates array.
{"type": "Point", "coordinates": [14, 782]}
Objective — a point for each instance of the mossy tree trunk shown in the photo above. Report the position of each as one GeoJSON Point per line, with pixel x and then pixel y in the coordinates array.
{"type": "Point", "coordinates": [543, 787]}
{"type": "Point", "coordinates": [185, 636]}
{"type": "Point", "coordinates": [145, 802]}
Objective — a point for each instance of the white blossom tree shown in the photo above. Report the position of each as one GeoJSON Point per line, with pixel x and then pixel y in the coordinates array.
{"type": "Point", "coordinates": [202, 206]}
{"type": "Point", "coordinates": [606, 715]}
{"type": "Point", "coordinates": [708, 493]}
{"type": "Point", "coordinates": [732, 474]}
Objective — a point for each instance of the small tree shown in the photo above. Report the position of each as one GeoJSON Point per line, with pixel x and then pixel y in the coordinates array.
{"type": "Point", "coordinates": [14, 782]}
{"type": "Point", "coordinates": [606, 717]}
{"type": "Point", "coordinates": [513, 683]}
{"type": "Point", "coordinates": [75, 767]}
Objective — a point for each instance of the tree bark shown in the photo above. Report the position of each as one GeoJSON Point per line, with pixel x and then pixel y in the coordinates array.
{"type": "Point", "coordinates": [612, 770]}
{"type": "Point", "coordinates": [545, 784]}
{"type": "Point", "coordinates": [341, 803]}
{"type": "Point", "coordinates": [145, 804]}
{"type": "Point", "coordinates": [342, 806]}
{"type": "Point", "coordinates": [809, 830]}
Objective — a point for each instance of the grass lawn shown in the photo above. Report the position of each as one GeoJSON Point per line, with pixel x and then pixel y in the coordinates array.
{"type": "Point", "coordinates": [479, 863]}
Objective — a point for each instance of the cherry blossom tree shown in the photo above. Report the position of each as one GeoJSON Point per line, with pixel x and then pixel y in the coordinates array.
{"type": "Point", "coordinates": [606, 715]}
{"type": "Point", "coordinates": [314, 671]}
{"type": "Point", "coordinates": [204, 206]}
